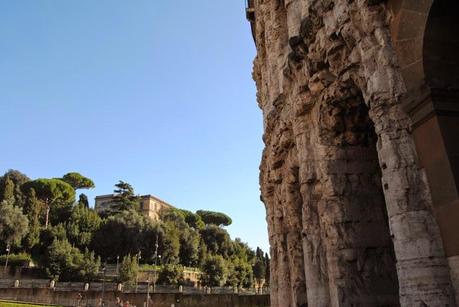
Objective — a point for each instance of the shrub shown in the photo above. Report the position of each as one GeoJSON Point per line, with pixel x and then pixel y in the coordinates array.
{"type": "Point", "coordinates": [21, 259]}
{"type": "Point", "coordinates": [170, 274]}
{"type": "Point", "coordinates": [129, 269]}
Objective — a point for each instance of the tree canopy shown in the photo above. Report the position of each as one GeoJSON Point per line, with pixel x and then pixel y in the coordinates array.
{"type": "Point", "coordinates": [78, 181]}
{"type": "Point", "coordinates": [55, 193]}
{"type": "Point", "coordinates": [214, 218]}
{"type": "Point", "coordinates": [12, 181]}
{"type": "Point", "coordinates": [13, 224]}
{"type": "Point", "coordinates": [42, 219]}
{"type": "Point", "coordinates": [125, 198]}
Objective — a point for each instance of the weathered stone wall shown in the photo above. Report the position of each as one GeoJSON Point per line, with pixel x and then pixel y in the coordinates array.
{"type": "Point", "coordinates": [70, 298]}
{"type": "Point", "coordinates": [349, 212]}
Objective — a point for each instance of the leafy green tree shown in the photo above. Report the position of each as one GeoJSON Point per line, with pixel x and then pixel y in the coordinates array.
{"type": "Point", "coordinates": [18, 180]}
{"type": "Point", "coordinates": [78, 181]}
{"type": "Point", "coordinates": [89, 267]}
{"type": "Point", "coordinates": [60, 258]}
{"type": "Point", "coordinates": [8, 191]}
{"type": "Point", "coordinates": [214, 218]}
{"type": "Point", "coordinates": [214, 271]}
{"type": "Point", "coordinates": [240, 273]}
{"type": "Point", "coordinates": [83, 200]}
{"type": "Point", "coordinates": [55, 194]}
{"type": "Point", "coordinates": [170, 247]}
{"type": "Point", "coordinates": [125, 198]}
{"type": "Point", "coordinates": [267, 265]}
{"type": "Point", "coordinates": [217, 240]}
{"type": "Point", "coordinates": [127, 233]}
{"type": "Point", "coordinates": [189, 247]}
{"type": "Point", "coordinates": [202, 252]}
{"type": "Point", "coordinates": [193, 220]}
{"type": "Point", "coordinates": [170, 274]}
{"type": "Point", "coordinates": [82, 225]}
{"type": "Point", "coordinates": [259, 267]}
{"type": "Point", "coordinates": [13, 224]}
{"type": "Point", "coordinates": [242, 250]}
{"type": "Point", "coordinates": [65, 262]}
{"type": "Point", "coordinates": [128, 269]}
{"type": "Point", "coordinates": [32, 208]}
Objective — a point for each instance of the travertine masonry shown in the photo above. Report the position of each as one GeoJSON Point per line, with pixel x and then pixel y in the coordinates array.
{"type": "Point", "coordinates": [349, 211]}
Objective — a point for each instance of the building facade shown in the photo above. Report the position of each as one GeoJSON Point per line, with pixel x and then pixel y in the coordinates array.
{"type": "Point", "coordinates": [150, 205]}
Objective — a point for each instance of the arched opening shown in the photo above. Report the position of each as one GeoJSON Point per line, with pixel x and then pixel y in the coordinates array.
{"type": "Point", "coordinates": [437, 135]}
{"type": "Point", "coordinates": [354, 253]}
{"type": "Point", "coordinates": [441, 42]}
{"type": "Point", "coordinates": [425, 36]}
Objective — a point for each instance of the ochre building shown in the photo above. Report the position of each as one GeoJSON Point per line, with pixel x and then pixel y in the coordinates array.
{"type": "Point", "coordinates": [360, 171]}
{"type": "Point", "coordinates": [150, 205]}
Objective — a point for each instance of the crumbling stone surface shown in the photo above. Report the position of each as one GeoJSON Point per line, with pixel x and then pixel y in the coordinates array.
{"type": "Point", "coordinates": [349, 211]}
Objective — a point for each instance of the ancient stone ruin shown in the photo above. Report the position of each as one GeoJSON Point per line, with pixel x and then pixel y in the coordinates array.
{"type": "Point", "coordinates": [360, 171]}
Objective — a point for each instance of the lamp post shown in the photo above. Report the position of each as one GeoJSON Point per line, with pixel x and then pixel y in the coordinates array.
{"type": "Point", "coordinates": [8, 249]}
{"type": "Point", "coordinates": [117, 265]}
{"type": "Point", "coordinates": [156, 262]}
{"type": "Point", "coordinates": [139, 256]}
{"type": "Point", "coordinates": [104, 269]}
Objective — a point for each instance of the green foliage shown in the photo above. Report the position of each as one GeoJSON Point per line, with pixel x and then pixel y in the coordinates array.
{"type": "Point", "coordinates": [126, 233]}
{"type": "Point", "coordinates": [32, 208]}
{"type": "Point", "coordinates": [202, 252]}
{"type": "Point", "coordinates": [125, 198]}
{"type": "Point", "coordinates": [240, 273]}
{"type": "Point", "coordinates": [52, 191]}
{"type": "Point", "coordinates": [18, 179]}
{"type": "Point", "coordinates": [65, 262]}
{"type": "Point", "coordinates": [20, 259]}
{"type": "Point", "coordinates": [46, 238]}
{"type": "Point", "coordinates": [89, 266]}
{"type": "Point", "coordinates": [170, 249]}
{"type": "Point", "coordinates": [4, 303]}
{"type": "Point", "coordinates": [189, 247]}
{"type": "Point", "coordinates": [193, 220]}
{"type": "Point", "coordinates": [82, 225]}
{"type": "Point", "coordinates": [78, 181]}
{"type": "Point", "coordinates": [214, 218]}
{"type": "Point", "coordinates": [13, 224]}
{"type": "Point", "coordinates": [83, 200]}
{"type": "Point", "coordinates": [217, 240]}
{"type": "Point", "coordinates": [259, 268]}
{"type": "Point", "coordinates": [128, 269]}
{"type": "Point", "coordinates": [67, 248]}
{"type": "Point", "coordinates": [170, 274]}
{"type": "Point", "coordinates": [267, 265]}
{"type": "Point", "coordinates": [8, 192]}
{"type": "Point", "coordinates": [214, 271]}
{"type": "Point", "coordinates": [57, 195]}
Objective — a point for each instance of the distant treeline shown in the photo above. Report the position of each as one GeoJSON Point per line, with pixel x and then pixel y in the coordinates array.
{"type": "Point", "coordinates": [41, 220]}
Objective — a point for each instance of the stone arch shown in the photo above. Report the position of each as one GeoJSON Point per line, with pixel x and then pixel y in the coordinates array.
{"type": "Point", "coordinates": [336, 66]}
{"type": "Point", "coordinates": [408, 24]}
{"type": "Point", "coordinates": [425, 38]}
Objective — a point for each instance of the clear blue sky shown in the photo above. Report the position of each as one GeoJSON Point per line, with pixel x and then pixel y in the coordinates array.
{"type": "Point", "coordinates": [157, 93]}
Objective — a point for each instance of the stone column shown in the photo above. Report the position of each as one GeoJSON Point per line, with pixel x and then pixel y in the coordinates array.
{"type": "Point", "coordinates": [422, 268]}
{"type": "Point", "coordinates": [315, 264]}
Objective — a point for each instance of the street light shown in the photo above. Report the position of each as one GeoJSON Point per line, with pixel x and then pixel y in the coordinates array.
{"type": "Point", "coordinates": [117, 265]}
{"type": "Point", "coordinates": [139, 256]}
{"type": "Point", "coordinates": [7, 256]}
{"type": "Point", "coordinates": [156, 262]}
